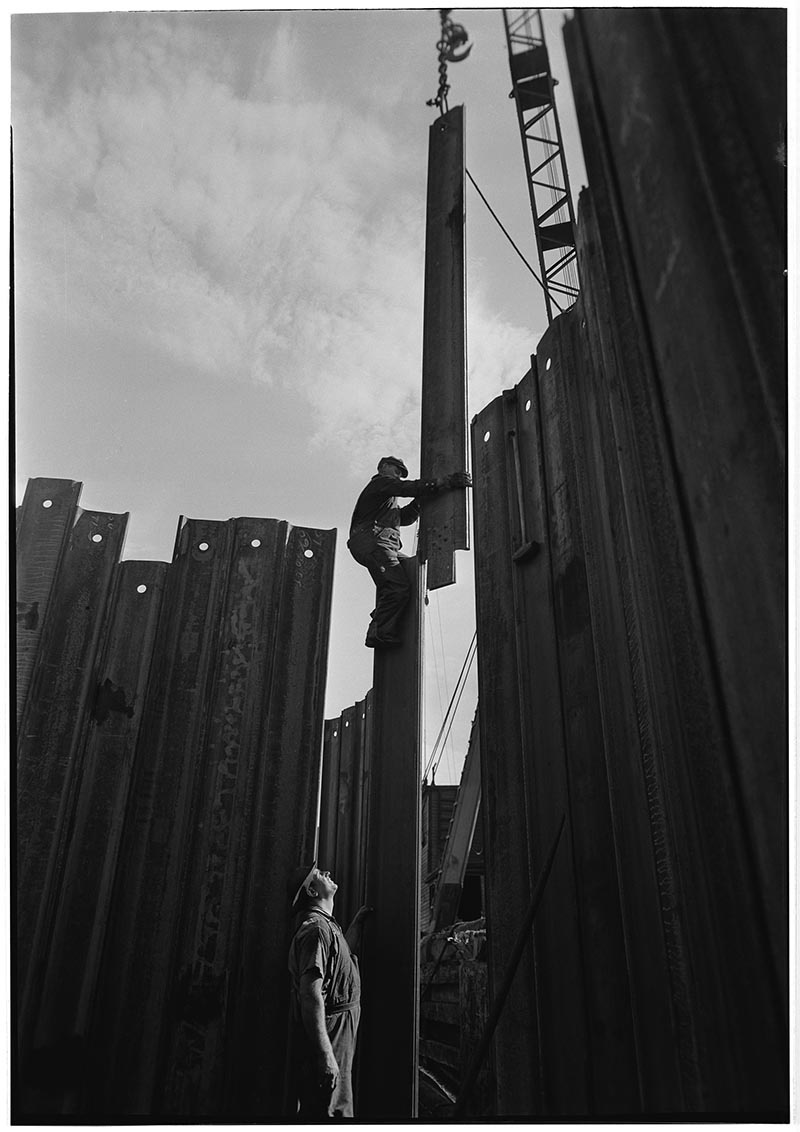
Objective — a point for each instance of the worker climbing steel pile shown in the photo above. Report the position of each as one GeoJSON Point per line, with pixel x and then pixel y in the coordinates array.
{"type": "Point", "coordinates": [375, 540]}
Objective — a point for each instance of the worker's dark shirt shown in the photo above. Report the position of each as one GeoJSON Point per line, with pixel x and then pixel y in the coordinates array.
{"type": "Point", "coordinates": [319, 947]}
{"type": "Point", "coordinates": [377, 505]}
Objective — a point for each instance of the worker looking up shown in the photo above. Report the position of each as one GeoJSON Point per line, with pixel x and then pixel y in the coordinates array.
{"type": "Point", "coordinates": [375, 540]}
{"type": "Point", "coordinates": [326, 997]}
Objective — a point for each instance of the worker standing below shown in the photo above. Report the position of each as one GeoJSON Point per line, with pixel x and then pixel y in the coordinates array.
{"type": "Point", "coordinates": [326, 998]}
{"type": "Point", "coordinates": [375, 541]}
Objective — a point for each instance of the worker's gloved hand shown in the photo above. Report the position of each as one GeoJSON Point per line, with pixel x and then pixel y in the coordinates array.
{"type": "Point", "coordinates": [327, 1071]}
{"type": "Point", "coordinates": [459, 479]}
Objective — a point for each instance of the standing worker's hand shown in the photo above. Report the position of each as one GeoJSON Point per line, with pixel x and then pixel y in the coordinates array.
{"type": "Point", "coordinates": [327, 1070]}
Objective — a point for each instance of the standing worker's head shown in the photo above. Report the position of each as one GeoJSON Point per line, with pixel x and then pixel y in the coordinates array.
{"type": "Point", "coordinates": [310, 887]}
{"type": "Point", "coordinates": [393, 466]}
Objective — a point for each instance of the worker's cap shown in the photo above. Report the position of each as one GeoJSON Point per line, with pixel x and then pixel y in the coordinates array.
{"type": "Point", "coordinates": [398, 463]}
{"type": "Point", "coordinates": [298, 881]}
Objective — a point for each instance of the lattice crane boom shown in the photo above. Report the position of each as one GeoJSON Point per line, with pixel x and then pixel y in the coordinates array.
{"type": "Point", "coordinates": [533, 91]}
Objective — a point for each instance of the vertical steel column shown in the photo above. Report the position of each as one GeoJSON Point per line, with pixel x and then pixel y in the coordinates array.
{"type": "Point", "coordinates": [44, 520]}
{"type": "Point", "coordinates": [443, 524]}
{"type": "Point", "coordinates": [75, 946]}
{"type": "Point", "coordinates": [52, 736]}
{"type": "Point", "coordinates": [388, 1040]}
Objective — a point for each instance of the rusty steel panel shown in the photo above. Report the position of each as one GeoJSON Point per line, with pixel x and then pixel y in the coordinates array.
{"type": "Point", "coordinates": [153, 854]}
{"type": "Point", "coordinates": [193, 1064]}
{"type": "Point", "coordinates": [52, 733]}
{"type": "Point", "coordinates": [44, 520]}
{"type": "Point", "coordinates": [344, 799]}
{"type": "Point", "coordinates": [721, 362]}
{"type": "Point", "coordinates": [443, 525]}
{"type": "Point", "coordinates": [65, 993]}
{"type": "Point", "coordinates": [523, 771]}
{"type": "Point", "coordinates": [284, 828]}
{"type": "Point", "coordinates": [701, 233]}
{"type": "Point", "coordinates": [388, 1040]}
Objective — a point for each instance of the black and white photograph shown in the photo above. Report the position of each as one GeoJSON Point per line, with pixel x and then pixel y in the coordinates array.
{"type": "Point", "coordinates": [399, 523]}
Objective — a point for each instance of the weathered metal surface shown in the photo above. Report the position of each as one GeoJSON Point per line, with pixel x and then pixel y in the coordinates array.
{"type": "Point", "coordinates": [389, 1025]}
{"type": "Point", "coordinates": [168, 770]}
{"type": "Point", "coordinates": [193, 1076]}
{"type": "Point", "coordinates": [613, 523]}
{"type": "Point", "coordinates": [459, 837]}
{"type": "Point", "coordinates": [344, 805]}
{"type": "Point", "coordinates": [44, 520]}
{"type": "Point", "coordinates": [524, 778]}
{"type": "Point", "coordinates": [154, 854]}
{"type": "Point", "coordinates": [284, 829]}
{"type": "Point", "coordinates": [64, 996]}
{"type": "Point", "coordinates": [722, 374]}
{"type": "Point", "coordinates": [52, 735]}
{"type": "Point", "coordinates": [702, 232]}
{"type": "Point", "coordinates": [443, 525]}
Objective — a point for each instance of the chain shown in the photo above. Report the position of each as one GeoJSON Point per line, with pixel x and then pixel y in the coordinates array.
{"type": "Point", "coordinates": [453, 36]}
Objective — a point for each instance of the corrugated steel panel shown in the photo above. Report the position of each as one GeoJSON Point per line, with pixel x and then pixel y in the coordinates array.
{"type": "Point", "coordinates": [389, 1024]}
{"type": "Point", "coordinates": [65, 993]}
{"type": "Point", "coordinates": [619, 537]}
{"type": "Point", "coordinates": [154, 855]}
{"type": "Point", "coordinates": [712, 309]}
{"type": "Point", "coordinates": [44, 520]}
{"type": "Point", "coordinates": [169, 773]}
{"type": "Point", "coordinates": [443, 525]}
{"type": "Point", "coordinates": [52, 736]}
{"type": "Point", "coordinates": [284, 830]}
{"type": "Point", "coordinates": [345, 797]}
{"type": "Point", "coordinates": [193, 1079]}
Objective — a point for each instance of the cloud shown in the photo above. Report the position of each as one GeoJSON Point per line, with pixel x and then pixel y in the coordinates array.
{"type": "Point", "coordinates": [234, 223]}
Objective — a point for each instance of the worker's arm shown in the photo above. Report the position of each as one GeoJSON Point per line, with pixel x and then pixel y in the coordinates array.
{"type": "Point", "coordinates": [417, 488]}
{"type": "Point", "coordinates": [353, 933]}
{"type": "Point", "coordinates": [312, 1011]}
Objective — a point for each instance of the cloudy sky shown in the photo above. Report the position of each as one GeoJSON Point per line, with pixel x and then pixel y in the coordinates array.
{"type": "Point", "coordinates": [219, 242]}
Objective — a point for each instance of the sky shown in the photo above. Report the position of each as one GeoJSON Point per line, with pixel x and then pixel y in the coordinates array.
{"type": "Point", "coordinates": [219, 253]}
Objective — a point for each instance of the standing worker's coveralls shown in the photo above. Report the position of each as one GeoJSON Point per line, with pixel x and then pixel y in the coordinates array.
{"type": "Point", "coordinates": [375, 543]}
{"type": "Point", "coordinates": [319, 945]}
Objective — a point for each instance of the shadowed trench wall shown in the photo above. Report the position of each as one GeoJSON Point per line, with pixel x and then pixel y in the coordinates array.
{"type": "Point", "coordinates": [630, 573]}
{"type": "Point", "coordinates": [168, 767]}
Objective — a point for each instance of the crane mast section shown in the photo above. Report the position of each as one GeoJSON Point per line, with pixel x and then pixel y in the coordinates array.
{"type": "Point", "coordinates": [533, 91]}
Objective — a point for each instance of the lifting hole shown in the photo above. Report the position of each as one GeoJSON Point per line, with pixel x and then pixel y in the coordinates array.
{"type": "Point", "coordinates": [308, 553]}
{"type": "Point", "coordinates": [97, 538]}
{"type": "Point", "coordinates": [486, 436]}
{"type": "Point", "coordinates": [141, 589]}
{"type": "Point", "coordinates": [47, 503]}
{"type": "Point", "coordinates": [548, 363]}
{"type": "Point", "coordinates": [256, 542]}
{"type": "Point", "coordinates": [202, 546]}
{"type": "Point", "coordinates": [527, 406]}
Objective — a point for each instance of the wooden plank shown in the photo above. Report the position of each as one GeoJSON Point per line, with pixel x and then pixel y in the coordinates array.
{"type": "Point", "coordinates": [388, 1060]}
{"type": "Point", "coordinates": [443, 527]}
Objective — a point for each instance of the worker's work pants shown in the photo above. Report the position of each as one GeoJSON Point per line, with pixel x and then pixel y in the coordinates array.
{"type": "Point", "coordinates": [319, 1103]}
{"type": "Point", "coordinates": [380, 553]}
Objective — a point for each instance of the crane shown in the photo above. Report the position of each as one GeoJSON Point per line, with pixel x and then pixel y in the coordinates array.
{"type": "Point", "coordinates": [533, 90]}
